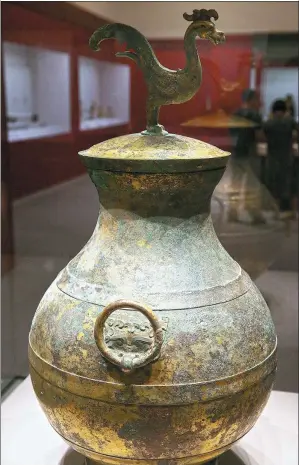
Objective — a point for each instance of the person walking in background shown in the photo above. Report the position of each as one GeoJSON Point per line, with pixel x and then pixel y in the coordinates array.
{"type": "Point", "coordinates": [280, 131]}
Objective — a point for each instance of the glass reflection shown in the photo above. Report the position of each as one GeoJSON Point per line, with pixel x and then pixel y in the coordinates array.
{"type": "Point", "coordinates": [245, 214]}
{"type": "Point", "coordinates": [245, 217]}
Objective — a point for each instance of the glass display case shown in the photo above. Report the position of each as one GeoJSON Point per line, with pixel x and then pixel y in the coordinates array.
{"type": "Point", "coordinates": [278, 70]}
{"type": "Point", "coordinates": [278, 82]}
{"type": "Point", "coordinates": [37, 88]}
{"type": "Point", "coordinates": [104, 94]}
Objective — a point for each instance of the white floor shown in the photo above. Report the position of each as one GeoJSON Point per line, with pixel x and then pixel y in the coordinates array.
{"type": "Point", "coordinates": [52, 226]}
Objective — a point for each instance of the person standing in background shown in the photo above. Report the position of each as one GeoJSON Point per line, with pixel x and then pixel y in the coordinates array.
{"type": "Point", "coordinates": [280, 131]}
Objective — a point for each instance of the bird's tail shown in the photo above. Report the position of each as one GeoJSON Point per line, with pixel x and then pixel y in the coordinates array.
{"type": "Point", "coordinates": [138, 48]}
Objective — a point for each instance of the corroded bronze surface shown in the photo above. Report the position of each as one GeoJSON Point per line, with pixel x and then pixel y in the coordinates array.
{"type": "Point", "coordinates": [182, 367]}
{"type": "Point", "coordinates": [154, 243]}
{"type": "Point", "coordinates": [148, 154]}
{"type": "Point", "coordinates": [106, 431]}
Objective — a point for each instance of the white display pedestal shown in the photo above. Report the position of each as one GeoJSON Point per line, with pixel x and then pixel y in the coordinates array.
{"type": "Point", "coordinates": [28, 439]}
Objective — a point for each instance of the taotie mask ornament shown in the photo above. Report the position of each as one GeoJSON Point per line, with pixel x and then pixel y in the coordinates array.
{"type": "Point", "coordinates": [125, 343]}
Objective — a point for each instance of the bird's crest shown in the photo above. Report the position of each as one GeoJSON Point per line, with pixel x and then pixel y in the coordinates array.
{"type": "Point", "coordinates": [201, 15]}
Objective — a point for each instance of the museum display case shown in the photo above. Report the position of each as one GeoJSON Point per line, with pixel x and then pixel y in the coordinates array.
{"type": "Point", "coordinates": [37, 88]}
{"type": "Point", "coordinates": [278, 81]}
{"type": "Point", "coordinates": [104, 94]}
{"type": "Point", "coordinates": [278, 73]}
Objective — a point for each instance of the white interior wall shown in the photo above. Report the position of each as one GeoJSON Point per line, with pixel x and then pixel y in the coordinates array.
{"type": "Point", "coordinates": [53, 87]}
{"type": "Point", "coordinates": [277, 83]}
{"type": "Point", "coordinates": [18, 80]}
{"type": "Point", "coordinates": [164, 19]}
{"type": "Point", "coordinates": [37, 81]}
{"type": "Point", "coordinates": [89, 83]}
{"type": "Point", "coordinates": [116, 89]}
{"type": "Point", "coordinates": [123, 97]}
{"type": "Point", "coordinates": [106, 84]}
{"type": "Point", "coordinates": [32, 60]}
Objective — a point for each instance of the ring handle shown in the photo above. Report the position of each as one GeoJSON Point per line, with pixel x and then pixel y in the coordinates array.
{"type": "Point", "coordinates": [111, 347]}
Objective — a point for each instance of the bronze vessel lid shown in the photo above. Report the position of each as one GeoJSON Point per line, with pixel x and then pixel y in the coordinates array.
{"type": "Point", "coordinates": [148, 153]}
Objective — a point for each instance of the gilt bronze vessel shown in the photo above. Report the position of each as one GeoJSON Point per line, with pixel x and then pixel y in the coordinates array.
{"type": "Point", "coordinates": [153, 347]}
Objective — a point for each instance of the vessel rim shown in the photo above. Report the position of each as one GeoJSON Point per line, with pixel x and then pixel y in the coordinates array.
{"type": "Point", "coordinates": [137, 153]}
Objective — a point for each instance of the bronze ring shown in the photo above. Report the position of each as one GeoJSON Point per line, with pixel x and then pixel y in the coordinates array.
{"type": "Point", "coordinates": [140, 359]}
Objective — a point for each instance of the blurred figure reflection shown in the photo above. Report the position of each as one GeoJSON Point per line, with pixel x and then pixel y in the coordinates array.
{"type": "Point", "coordinates": [290, 104]}
{"type": "Point", "coordinates": [241, 163]}
{"type": "Point", "coordinates": [280, 131]}
{"type": "Point", "coordinates": [244, 213]}
{"type": "Point", "coordinates": [246, 137]}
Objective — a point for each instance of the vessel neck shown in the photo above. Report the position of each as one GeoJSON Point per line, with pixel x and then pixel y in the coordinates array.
{"type": "Point", "coordinates": [154, 243]}
{"type": "Point", "coordinates": [175, 195]}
